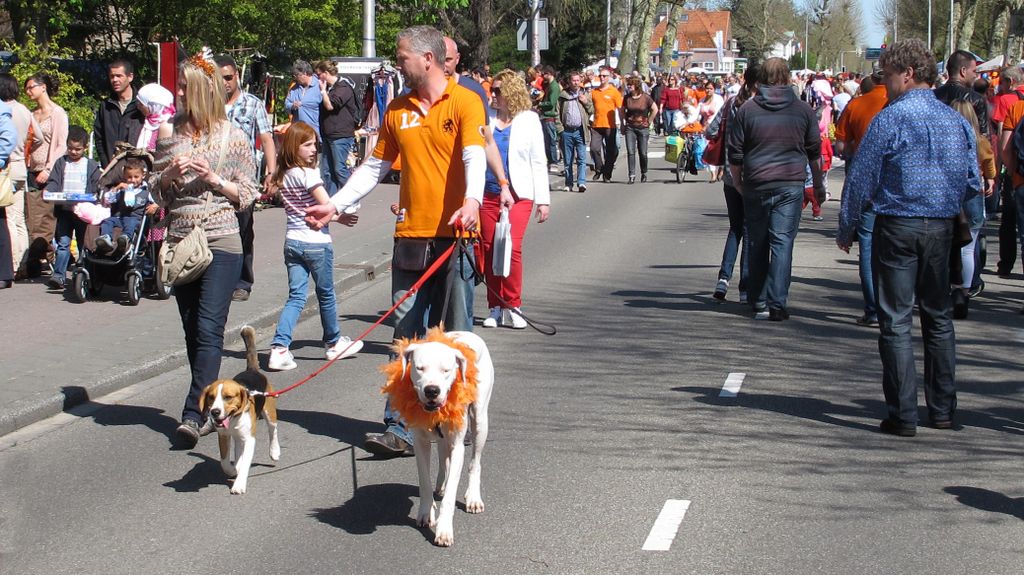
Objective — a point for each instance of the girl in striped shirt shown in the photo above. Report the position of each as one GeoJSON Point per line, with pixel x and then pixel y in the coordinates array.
{"type": "Point", "coordinates": [307, 252]}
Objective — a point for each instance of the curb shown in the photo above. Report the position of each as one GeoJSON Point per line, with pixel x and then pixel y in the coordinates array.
{"type": "Point", "coordinates": [25, 412]}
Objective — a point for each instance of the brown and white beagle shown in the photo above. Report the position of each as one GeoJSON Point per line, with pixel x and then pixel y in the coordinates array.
{"type": "Point", "coordinates": [233, 410]}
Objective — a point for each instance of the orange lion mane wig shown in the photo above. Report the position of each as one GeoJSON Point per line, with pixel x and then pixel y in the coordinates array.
{"type": "Point", "coordinates": [451, 416]}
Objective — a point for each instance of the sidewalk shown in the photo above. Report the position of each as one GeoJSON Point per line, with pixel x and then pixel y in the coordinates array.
{"type": "Point", "coordinates": [58, 354]}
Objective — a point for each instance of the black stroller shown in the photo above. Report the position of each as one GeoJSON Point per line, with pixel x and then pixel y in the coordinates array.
{"type": "Point", "coordinates": [135, 267]}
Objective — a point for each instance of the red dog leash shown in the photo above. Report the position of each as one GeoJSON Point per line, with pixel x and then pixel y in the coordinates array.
{"type": "Point", "coordinates": [442, 260]}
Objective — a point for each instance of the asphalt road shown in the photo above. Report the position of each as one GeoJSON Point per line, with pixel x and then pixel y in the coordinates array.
{"type": "Point", "coordinates": [592, 431]}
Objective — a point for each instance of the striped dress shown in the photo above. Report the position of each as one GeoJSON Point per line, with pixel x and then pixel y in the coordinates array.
{"type": "Point", "coordinates": [186, 200]}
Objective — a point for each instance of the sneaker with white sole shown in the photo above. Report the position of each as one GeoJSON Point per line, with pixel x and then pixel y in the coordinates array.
{"type": "Point", "coordinates": [514, 320]}
{"type": "Point", "coordinates": [721, 288]}
{"type": "Point", "coordinates": [281, 359]}
{"type": "Point", "coordinates": [493, 320]}
{"type": "Point", "coordinates": [338, 349]}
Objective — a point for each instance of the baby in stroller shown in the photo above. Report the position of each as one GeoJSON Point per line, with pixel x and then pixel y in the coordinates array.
{"type": "Point", "coordinates": [129, 202]}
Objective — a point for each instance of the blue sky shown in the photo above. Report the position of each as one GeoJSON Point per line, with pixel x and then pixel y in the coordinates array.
{"type": "Point", "coordinates": [873, 31]}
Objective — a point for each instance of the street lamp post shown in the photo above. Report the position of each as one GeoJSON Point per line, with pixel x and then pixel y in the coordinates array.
{"type": "Point", "coordinates": [807, 27]}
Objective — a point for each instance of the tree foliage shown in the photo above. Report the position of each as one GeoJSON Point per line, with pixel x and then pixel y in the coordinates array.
{"type": "Point", "coordinates": [36, 58]}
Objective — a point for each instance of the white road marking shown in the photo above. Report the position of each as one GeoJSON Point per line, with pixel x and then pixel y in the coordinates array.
{"type": "Point", "coordinates": [666, 525]}
{"type": "Point", "coordinates": [731, 388]}
{"type": "Point", "coordinates": [656, 154]}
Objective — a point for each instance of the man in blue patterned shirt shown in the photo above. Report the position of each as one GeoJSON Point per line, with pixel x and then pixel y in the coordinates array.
{"type": "Point", "coordinates": [915, 165]}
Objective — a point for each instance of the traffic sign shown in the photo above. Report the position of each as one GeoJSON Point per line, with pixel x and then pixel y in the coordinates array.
{"type": "Point", "coordinates": [872, 53]}
{"type": "Point", "coordinates": [523, 43]}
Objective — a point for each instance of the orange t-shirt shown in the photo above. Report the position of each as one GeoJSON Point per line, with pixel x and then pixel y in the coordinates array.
{"type": "Point", "coordinates": [857, 116]}
{"type": "Point", "coordinates": [1013, 117]}
{"type": "Point", "coordinates": [606, 101]}
{"type": "Point", "coordinates": [430, 141]}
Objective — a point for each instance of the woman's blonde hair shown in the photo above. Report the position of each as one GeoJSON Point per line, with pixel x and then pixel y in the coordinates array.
{"type": "Point", "coordinates": [513, 89]}
{"type": "Point", "coordinates": [204, 98]}
{"type": "Point", "coordinates": [966, 109]}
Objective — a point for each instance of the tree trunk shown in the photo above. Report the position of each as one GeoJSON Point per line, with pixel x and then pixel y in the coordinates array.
{"type": "Point", "coordinates": [484, 10]}
{"type": "Point", "coordinates": [669, 39]}
{"type": "Point", "coordinates": [997, 44]}
{"type": "Point", "coordinates": [627, 55]}
{"type": "Point", "coordinates": [970, 9]}
{"type": "Point", "coordinates": [643, 51]}
{"type": "Point", "coordinates": [1015, 32]}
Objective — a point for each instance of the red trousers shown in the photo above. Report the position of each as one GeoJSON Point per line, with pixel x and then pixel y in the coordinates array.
{"type": "Point", "coordinates": [509, 288]}
{"type": "Point", "coordinates": [809, 198]}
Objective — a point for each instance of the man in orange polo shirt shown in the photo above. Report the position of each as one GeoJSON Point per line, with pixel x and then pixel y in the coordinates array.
{"type": "Point", "coordinates": [1009, 153]}
{"type": "Point", "coordinates": [438, 130]}
{"type": "Point", "coordinates": [1011, 86]}
{"type": "Point", "coordinates": [604, 145]}
{"type": "Point", "coordinates": [853, 124]}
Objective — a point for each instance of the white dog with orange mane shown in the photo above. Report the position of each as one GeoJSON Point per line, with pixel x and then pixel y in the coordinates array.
{"type": "Point", "coordinates": [441, 385]}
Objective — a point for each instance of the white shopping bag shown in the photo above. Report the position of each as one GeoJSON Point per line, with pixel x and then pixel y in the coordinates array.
{"type": "Point", "coordinates": [501, 258]}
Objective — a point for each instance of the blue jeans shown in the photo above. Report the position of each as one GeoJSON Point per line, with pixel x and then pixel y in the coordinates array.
{"type": "Point", "coordinates": [667, 118]}
{"type": "Point", "coordinates": [911, 260]}
{"type": "Point", "coordinates": [304, 259]}
{"type": "Point", "coordinates": [736, 240]}
{"type": "Point", "coordinates": [334, 163]}
{"type": "Point", "coordinates": [865, 230]}
{"type": "Point", "coordinates": [128, 225]}
{"type": "Point", "coordinates": [423, 311]}
{"type": "Point", "coordinates": [67, 224]}
{"type": "Point", "coordinates": [773, 219]}
{"type": "Point", "coordinates": [636, 143]}
{"type": "Point", "coordinates": [203, 306]}
{"type": "Point", "coordinates": [550, 139]}
{"type": "Point", "coordinates": [574, 153]}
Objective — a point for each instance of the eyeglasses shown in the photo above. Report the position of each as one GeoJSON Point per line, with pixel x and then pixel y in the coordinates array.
{"type": "Point", "coordinates": [228, 77]}
{"type": "Point", "coordinates": [32, 87]}
{"type": "Point", "coordinates": [605, 75]}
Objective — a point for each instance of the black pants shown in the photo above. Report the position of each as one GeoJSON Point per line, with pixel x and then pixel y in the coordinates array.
{"type": "Point", "coordinates": [6, 258]}
{"type": "Point", "coordinates": [1008, 229]}
{"type": "Point", "coordinates": [245, 230]}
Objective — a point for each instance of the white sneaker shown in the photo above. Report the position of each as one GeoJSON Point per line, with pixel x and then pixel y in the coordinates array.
{"type": "Point", "coordinates": [493, 320]}
{"type": "Point", "coordinates": [281, 359]}
{"type": "Point", "coordinates": [515, 321]}
{"type": "Point", "coordinates": [721, 288]}
{"type": "Point", "coordinates": [335, 351]}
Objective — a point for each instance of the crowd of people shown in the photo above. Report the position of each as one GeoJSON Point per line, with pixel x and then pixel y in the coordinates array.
{"type": "Point", "coordinates": [477, 150]}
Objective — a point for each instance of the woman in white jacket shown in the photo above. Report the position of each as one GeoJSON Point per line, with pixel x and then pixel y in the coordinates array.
{"type": "Point", "coordinates": [520, 139]}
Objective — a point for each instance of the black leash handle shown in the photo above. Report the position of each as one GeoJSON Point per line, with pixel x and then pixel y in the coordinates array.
{"type": "Point", "coordinates": [548, 329]}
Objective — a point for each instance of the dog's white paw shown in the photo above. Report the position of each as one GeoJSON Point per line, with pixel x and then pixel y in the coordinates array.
{"type": "Point", "coordinates": [238, 488]}
{"type": "Point", "coordinates": [474, 505]}
{"type": "Point", "coordinates": [229, 468]}
{"type": "Point", "coordinates": [426, 517]}
{"type": "Point", "coordinates": [275, 453]}
{"type": "Point", "coordinates": [444, 536]}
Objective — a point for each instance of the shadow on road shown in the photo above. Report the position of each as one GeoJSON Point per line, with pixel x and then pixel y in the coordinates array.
{"type": "Point", "coordinates": [372, 506]}
{"type": "Point", "coordinates": [987, 500]}
{"type": "Point", "coordinates": [344, 429]}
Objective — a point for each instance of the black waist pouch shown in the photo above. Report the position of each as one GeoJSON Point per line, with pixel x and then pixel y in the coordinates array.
{"type": "Point", "coordinates": [417, 254]}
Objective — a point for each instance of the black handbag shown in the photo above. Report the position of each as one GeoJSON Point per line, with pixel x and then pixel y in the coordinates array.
{"type": "Point", "coordinates": [961, 230]}
{"type": "Point", "coordinates": [418, 254]}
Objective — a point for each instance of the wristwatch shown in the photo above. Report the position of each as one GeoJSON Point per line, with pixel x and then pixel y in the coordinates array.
{"type": "Point", "coordinates": [220, 183]}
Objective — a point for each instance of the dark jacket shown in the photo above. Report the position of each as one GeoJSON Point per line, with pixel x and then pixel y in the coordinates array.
{"type": "Point", "coordinates": [773, 136]}
{"type": "Point", "coordinates": [111, 127]}
{"type": "Point", "coordinates": [951, 91]}
{"type": "Point", "coordinates": [56, 181]}
{"type": "Point", "coordinates": [341, 121]}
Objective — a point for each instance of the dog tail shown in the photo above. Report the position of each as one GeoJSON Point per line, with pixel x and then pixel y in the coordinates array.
{"type": "Point", "coordinates": [252, 361]}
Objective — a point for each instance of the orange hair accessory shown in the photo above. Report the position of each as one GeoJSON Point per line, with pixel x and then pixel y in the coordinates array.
{"type": "Point", "coordinates": [451, 416]}
{"type": "Point", "coordinates": [203, 64]}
